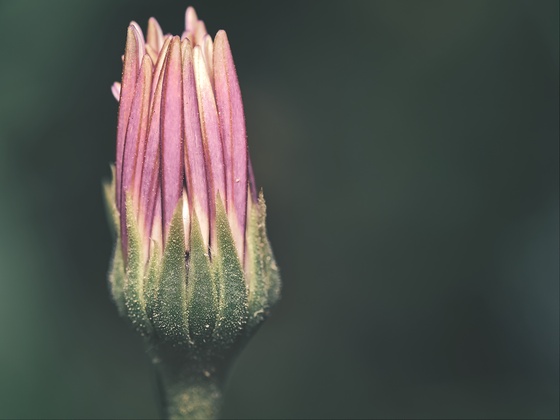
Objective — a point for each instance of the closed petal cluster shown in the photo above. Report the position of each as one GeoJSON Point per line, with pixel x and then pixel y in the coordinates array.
{"type": "Point", "coordinates": [192, 265]}
{"type": "Point", "coordinates": [181, 136]}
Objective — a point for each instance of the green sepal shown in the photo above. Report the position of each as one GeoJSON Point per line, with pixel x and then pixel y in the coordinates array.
{"type": "Point", "coordinates": [231, 286]}
{"type": "Point", "coordinates": [152, 277]}
{"type": "Point", "coordinates": [110, 205]}
{"type": "Point", "coordinates": [117, 278]}
{"type": "Point", "coordinates": [272, 274]}
{"type": "Point", "coordinates": [134, 283]}
{"type": "Point", "coordinates": [117, 275]}
{"type": "Point", "coordinates": [169, 307]}
{"type": "Point", "coordinates": [201, 291]}
{"type": "Point", "coordinates": [262, 272]}
{"type": "Point", "coordinates": [258, 295]}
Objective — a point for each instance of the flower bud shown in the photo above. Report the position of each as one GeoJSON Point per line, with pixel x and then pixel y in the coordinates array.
{"type": "Point", "coordinates": [192, 264]}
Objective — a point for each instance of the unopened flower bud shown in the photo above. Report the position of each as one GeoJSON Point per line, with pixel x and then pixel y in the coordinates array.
{"type": "Point", "coordinates": [192, 267]}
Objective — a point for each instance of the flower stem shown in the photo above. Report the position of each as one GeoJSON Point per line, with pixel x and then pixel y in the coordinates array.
{"type": "Point", "coordinates": [192, 398]}
{"type": "Point", "coordinates": [190, 388]}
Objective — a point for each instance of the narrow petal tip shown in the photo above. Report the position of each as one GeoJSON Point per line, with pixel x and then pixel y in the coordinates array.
{"type": "Point", "coordinates": [116, 90]}
{"type": "Point", "coordinates": [139, 39]}
{"type": "Point", "coordinates": [191, 19]}
{"type": "Point", "coordinates": [154, 35]}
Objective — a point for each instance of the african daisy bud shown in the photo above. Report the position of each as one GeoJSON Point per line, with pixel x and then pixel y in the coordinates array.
{"type": "Point", "coordinates": [192, 268]}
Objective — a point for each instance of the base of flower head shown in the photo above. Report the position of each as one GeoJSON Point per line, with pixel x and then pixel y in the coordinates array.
{"type": "Point", "coordinates": [204, 304]}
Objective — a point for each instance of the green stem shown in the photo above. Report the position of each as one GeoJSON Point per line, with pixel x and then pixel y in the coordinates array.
{"type": "Point", "coordinates": [192, 398]}
{"type": "Point", "coordinates": [191, 388]}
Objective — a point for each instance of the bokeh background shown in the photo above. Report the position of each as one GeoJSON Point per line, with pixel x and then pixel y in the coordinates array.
{"type": "Point", "coordinates": [409, 155]}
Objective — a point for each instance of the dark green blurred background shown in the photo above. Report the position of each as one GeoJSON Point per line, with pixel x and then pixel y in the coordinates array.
{"type": "Point", "coordinates": [409, 156]}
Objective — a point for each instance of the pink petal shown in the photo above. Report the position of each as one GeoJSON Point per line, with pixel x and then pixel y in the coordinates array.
{"type": "Point", "coordinates": [150, 51]}
{"type": "Point", "coordinates": [213, 150]}
{"type": "Point", "coordinates": [155, 35]}
{"type": "Point", "coordinates": [150, 189]}
{"type": "Point", "coordinates": [135, 140]}
{"type": "Point", "coordinates": [141, 40]}
{"type": "Point", "coordinates": [200, 32]}
{"type": "Point", "coordinates": [172, 134]}
{"type": "Point", "coordinates": [232, 122]}
{"type": "Point", "coordinates": [187, 35]}
{"type": "Point", "coordinates": [116, 90]}
{"type": "Point", "coordinates": [159, 64]}
{"type": "Point", "coordinates": [142, 136]}
{"type": "Point", "coordinates": [195, 166]}
{"type": "Point", "coordinates": [190, 19]}
{"type": "Point", "coordinates": [208, 50]}
{"type": "Point", "coordinates": [129, 74]}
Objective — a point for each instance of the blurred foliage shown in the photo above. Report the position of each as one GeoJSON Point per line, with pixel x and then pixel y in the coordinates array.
{"type": "Point", "coordinates": [409, 156]}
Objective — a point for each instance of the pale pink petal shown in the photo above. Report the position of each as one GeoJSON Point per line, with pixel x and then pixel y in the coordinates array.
{"type": "Point", "coordinates": [208, 50]}
{"type": "Point", "coordinates": [195, 167]}
{"type": "Point", "coordinates": [160, 62]}
{"type": "Point", "coordinates": [232, 123]}
{"type": "Point", "coordinates": [141, 41]}
{"type": "Point", "coordinates": [143, 134]}
{"type": "Point", "coordinates": [150, 51]}
{"type": "Point", "coordinates": [211, 137]}
{"type": "Point", "coordinates": [171, 134]}
{"type": "Point", "coordinates": [199, 32]}
{"type": "Point", "coordinates": [155, 35]}
{"type": "Point", "coordinates": [187, 35]}
{"type": "Point", "coordinates": [129, 74]}
{"type": "Point", "coordinates": [135, 138]}
{"type": "Point", "coordinates": [116, 90]}
{"type": "Point", "coordinates": [190, 19]}
{"type": "Point", "coordinates": [150, 201]}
